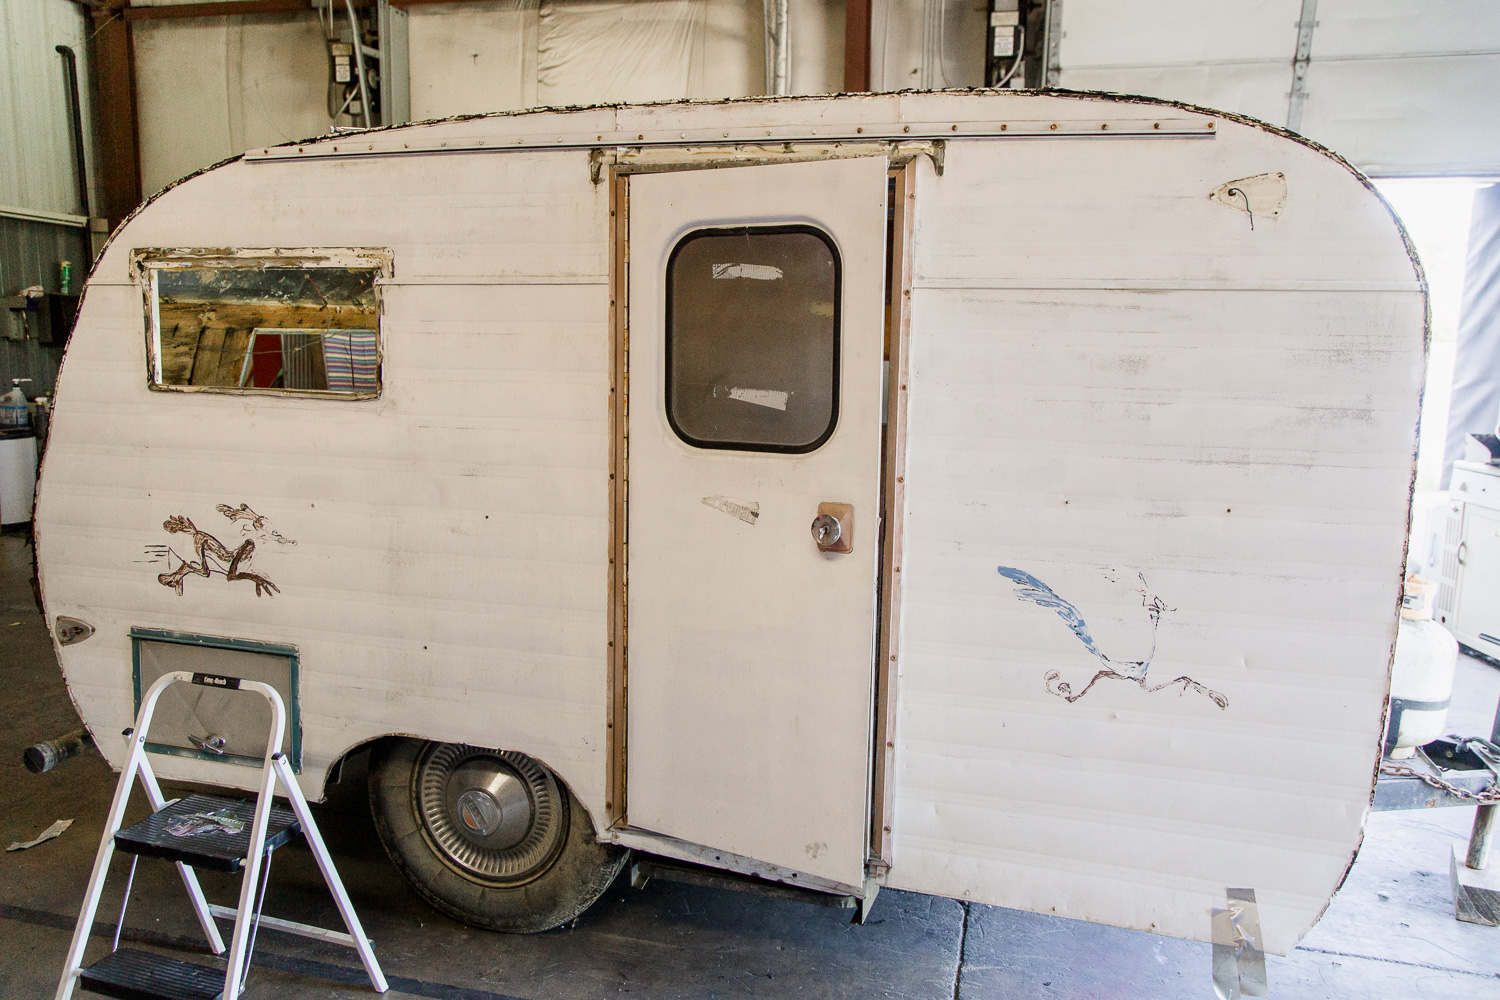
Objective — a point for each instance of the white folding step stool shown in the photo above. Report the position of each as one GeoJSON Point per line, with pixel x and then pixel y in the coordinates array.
{"type": "Point", "coordinates": [139, 975]}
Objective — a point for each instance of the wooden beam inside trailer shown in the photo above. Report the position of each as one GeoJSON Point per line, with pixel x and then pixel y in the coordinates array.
{"type": "Point", "coordinates": [207, 343]}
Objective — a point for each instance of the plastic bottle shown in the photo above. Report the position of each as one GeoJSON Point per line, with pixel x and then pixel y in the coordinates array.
{"type": "Point", "coordinates": [15, 412]}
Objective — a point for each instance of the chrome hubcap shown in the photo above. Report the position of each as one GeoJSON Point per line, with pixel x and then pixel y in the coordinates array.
{"type": "Point", "coordinates": [497, 816]}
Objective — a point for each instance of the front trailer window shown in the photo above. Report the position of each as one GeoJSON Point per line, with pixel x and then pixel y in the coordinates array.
{"type": "Point", "coordinates": [265, 326]}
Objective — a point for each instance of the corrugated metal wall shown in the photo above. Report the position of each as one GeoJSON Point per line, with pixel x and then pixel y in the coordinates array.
{"type": "Point", "coordinates": [36, 146]}
{"type": "Point", "coordinates": [37, 171]}
{"type": "Point", "coordinates": [29, 255]}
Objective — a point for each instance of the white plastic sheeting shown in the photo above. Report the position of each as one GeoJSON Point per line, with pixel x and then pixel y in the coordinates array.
{"type": "Point", "coordinates": [527, 53]}
{"type": "Point", "coordinates": [209, 88]}
{"type": "Point", "coordinates": [510, 54]}
{"type": "Point", "coordinates": [1400, 88]}
{"type": "Point", "coordinates": [926, 44]}
{"type": "Point", "coordinates": [1476, 370]}
{"type": "Point", "coordinates": [36, 145]}
{"type": "Point", "coordinates": [631, 51]}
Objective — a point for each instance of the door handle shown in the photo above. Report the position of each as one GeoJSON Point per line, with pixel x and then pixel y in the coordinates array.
{"type": "Point", "coordinates": [1463, 550]}
{"type": "Point", "coordinates": [833, 528]}
{"type": "Point", "coordinates": [212, 743]}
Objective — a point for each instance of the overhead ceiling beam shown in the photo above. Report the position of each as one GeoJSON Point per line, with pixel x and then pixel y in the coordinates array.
{"type": "Point", "coordinates": [223, 8]}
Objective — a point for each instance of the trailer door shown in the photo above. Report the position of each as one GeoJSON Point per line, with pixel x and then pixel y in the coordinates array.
{"type": "Point", "coordinates": [756, 304]}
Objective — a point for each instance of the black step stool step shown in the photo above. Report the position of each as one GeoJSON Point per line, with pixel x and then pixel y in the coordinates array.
{"type": "Point", "coordinates": [212, 848]}
{"type": "Point", "coordinates": [142, 975]}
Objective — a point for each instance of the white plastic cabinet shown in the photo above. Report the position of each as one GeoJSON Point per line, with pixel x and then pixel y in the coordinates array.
{"type": "Point", "coordinates": [1469, 595]}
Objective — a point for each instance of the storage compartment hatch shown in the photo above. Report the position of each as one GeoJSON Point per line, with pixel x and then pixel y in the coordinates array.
{"type": "Point", "coordinates": [195, 721]}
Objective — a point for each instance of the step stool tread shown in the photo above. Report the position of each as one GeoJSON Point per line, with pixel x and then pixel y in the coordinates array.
{"type": "Point", "coordinates": [213, 848]}
{"type": "Point", "coordinates": [142, 975]}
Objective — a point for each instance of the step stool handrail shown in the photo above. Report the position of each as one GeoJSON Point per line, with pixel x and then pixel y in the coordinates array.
{"type": "Point", "coordinates": [221, 682]}
{"type": "Point", "coordinates": [240, 938]}
{"type": "Point", "coordinates": [274, 768]}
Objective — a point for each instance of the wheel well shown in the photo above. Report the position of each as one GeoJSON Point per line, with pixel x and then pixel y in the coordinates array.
{"type": "Point", "coordinates": [355, 757]}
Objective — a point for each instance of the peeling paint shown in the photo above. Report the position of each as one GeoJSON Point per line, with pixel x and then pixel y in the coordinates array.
{"type": "Point", "coordinates": [746, 510]}
{"type": "Point", "coordinates": [1263, 195]}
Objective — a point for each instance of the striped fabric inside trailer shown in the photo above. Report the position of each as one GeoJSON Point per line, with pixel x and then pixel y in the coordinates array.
{"type": "Point", "coordinates": [352, 360]}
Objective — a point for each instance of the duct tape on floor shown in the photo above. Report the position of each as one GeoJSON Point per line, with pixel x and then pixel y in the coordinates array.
{"type": "Point", "coordinates": [1239, 959]}
{"type": "Point", "coordinates": [55, 830]}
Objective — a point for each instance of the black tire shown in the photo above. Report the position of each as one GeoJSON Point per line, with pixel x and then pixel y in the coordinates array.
{"type": "Point", "coordinates": [555, 871]}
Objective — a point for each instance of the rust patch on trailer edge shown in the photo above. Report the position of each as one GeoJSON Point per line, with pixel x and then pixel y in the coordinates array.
{"type": "Point", "coordinates": [1029, 588]}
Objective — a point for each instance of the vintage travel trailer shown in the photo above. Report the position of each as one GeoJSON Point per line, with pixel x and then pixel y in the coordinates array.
{"type": "Point", "coordinates": [995, 495]}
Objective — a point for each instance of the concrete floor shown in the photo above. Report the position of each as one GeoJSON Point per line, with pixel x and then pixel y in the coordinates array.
{"type": "Point", "coordinates": [1390, 931]}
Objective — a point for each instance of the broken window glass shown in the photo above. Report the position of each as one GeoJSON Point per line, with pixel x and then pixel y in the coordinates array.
{"type": "Point", "coordinates": [753, 338]}
{"type": "Point", "coordinates": [305, 330]}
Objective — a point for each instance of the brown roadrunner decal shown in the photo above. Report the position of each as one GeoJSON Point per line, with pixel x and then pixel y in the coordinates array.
{"type": "Point", "coordinates": [213, 556]}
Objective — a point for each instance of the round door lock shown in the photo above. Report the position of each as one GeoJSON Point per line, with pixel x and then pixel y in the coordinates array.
{"type": "Point", "coordinates": [826, 529]}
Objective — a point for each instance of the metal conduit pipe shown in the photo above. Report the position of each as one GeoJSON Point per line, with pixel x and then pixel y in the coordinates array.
{"type": "Point", "coordinates": [359, 62]}
{"type": "Point", "coordinates": [1481, 837]}
{"type": "Point", "coordinates": [778, 47]}
{"type": "Point", "coordinates": [75, 112]}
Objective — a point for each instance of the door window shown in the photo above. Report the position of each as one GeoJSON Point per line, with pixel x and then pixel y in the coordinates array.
{"type": "Point", "coordinates": [752, 345]}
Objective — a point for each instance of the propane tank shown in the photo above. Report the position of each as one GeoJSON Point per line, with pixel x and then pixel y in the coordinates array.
{"type": "Point", "coordinates": [1422, 675]}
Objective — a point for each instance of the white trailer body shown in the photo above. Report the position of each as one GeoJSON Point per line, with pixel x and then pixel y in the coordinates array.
{"type": "Point", "coordinates": [1115, 403]}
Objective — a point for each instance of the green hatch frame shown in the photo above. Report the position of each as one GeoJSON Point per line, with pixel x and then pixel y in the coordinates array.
{"type": "Point", "coordinates": [293, 708]}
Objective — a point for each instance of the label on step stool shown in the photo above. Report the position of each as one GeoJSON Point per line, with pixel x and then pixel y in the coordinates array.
{"type": "Point", "coordinates": [193, 824]}
{"type": "Point", "coordinates": [217, 681]}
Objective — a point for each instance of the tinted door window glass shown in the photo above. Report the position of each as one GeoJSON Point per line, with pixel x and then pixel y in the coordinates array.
{"type": "Point", "coordinates": [752, 338]}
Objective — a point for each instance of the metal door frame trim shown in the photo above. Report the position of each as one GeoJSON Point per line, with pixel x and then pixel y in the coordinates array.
{"type": "Point", "coordinates": [893, 506]}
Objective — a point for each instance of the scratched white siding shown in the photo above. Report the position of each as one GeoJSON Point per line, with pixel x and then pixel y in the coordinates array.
{"type": "Point", "coordinates": [1115, 378]}
{"type": "Point", "coordinates": [449, 576]}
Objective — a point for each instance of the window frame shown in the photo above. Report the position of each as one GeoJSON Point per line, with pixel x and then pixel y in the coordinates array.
{"type": "Point", "coordinates": [148, 263]}
{"type": "Point", "coordinates": [838, 336]}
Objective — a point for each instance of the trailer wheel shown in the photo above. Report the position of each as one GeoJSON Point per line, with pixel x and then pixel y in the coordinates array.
{"type": "Point", "coordinates": [489, 837]}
